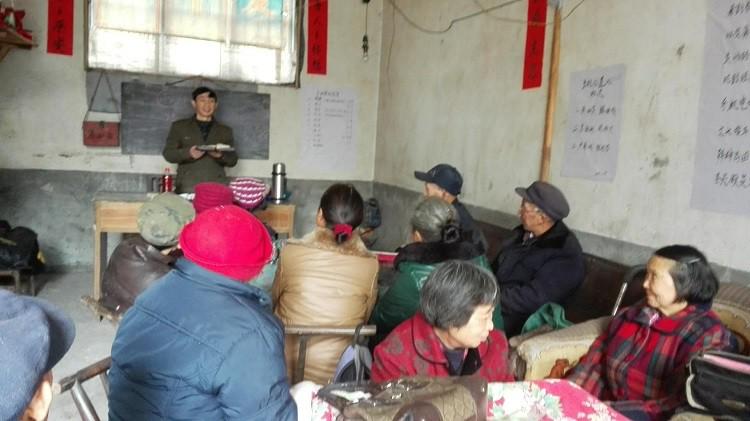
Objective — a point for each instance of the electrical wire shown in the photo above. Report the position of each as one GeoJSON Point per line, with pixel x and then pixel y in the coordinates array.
{"type": "Point", "coordinates": [482, 11]}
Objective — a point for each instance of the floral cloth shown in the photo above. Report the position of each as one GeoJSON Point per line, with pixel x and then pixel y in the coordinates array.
{"type": "Point", "coordinates": [539, 400]}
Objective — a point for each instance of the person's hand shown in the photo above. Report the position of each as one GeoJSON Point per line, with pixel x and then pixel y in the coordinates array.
{"type": "Point", "coordinates": [216, 154]}
{"type": "Point", "coordinates": [195, 153]}
{"type": "Point", "coordinates": [559, 369]}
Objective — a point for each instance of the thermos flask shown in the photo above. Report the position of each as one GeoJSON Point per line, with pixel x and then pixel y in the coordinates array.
{"type": "Point", "coordinates": [278, 182]}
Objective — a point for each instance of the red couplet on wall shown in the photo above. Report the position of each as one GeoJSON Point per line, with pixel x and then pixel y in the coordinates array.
{"type": "Point", "coordinates": [533, 62]}
{"type": "Point", "coordinates": [60, 27]}
{"type": "Point", "coordinates": [317, 39]}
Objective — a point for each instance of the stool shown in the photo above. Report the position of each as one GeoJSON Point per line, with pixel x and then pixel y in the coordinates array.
{"type": "Point", "coordinates": [17, 275]}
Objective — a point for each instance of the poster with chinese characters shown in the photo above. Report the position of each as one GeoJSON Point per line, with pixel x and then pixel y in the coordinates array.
{"type": "Point", "coordinates": [60, 27]}
{"type": "Point", "coordinates": [328, 128]}
{"type": "Point", "coordinates": [594, 117]}
{"type": "Point", "coordinates": [317, 37]}
{"type": "Point", "coordinates": [721, 177]}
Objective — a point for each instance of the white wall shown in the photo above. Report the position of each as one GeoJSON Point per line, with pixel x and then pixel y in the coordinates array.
{"type": "Point", "coordinates": [456, 98]}
{"type": "Point", "coordinates": [43, 101]}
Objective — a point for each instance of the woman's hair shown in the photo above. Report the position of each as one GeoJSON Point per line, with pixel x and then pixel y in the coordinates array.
{"type": "Point", "coordinates": [342, 208]}
{"type": "Point", "coordinates": [693, 277]}
{"type": "Point", "coordinates": [436, 220]}
{"type": "Point", "coordinates": [454, 290]}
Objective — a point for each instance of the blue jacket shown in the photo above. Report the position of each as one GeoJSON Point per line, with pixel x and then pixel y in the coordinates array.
{"type": "Point", "coordinates": [199, 346]}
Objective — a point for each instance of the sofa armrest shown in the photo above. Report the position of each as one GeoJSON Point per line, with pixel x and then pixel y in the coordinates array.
{"type": "Point", "coordinates": [536, 356]}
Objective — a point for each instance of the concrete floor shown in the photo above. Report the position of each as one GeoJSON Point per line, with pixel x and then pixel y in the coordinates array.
{"type": "Point", "coordinates": [93, 339]}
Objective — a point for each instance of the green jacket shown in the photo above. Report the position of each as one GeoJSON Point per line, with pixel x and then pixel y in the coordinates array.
{"type": "Point", "coordinates": [182, 136]}
{"type": "Point", "coordinates": [401, 300]}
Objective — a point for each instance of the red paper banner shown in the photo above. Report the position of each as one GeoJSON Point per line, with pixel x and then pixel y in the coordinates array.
{"type": "Point", "coordinates": [317, 40]}
{"type": "Point", "coordinates": [60, 27]}
{"type": "Point", "coordinates": [534, 55]}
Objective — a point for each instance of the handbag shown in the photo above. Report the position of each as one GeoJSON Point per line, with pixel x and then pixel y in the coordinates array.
{"type": "Point", "coordinates": [355, 362]}
{"type": "Point", "coordinates": [101, 133]}
{"type": "Point", "coordinates": [462, 398]}
{"type": "Point", "coordinates": [719, 384]}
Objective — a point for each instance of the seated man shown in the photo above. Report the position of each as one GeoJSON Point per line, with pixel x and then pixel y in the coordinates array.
{"type": "Point", "coordinates": [139, 260]}
{"type": "Point", "coordinates": [444, 181]}
{"type": "Point", "coordinates": [34, 336]}
{"type": "Point", "coordinates": [542, 260]}
{"type": "Point", "coordinates": [452, 334]}
{"type": "Point", "coordinates": [202, 344]}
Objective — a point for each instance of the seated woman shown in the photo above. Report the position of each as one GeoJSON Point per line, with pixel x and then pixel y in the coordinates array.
{"type": "Point", "coordinates": [639, 363]}
{"type": "Point", "coordinates": [328, 278]}
{"type": "Point", "coordinates": [437, 238]}
{"type": "Point", "coordinates": [139, 260]}
{"type": "Point", "coordinates": [452, 334]}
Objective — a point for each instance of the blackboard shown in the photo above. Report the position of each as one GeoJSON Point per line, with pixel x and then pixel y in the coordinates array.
{"type": "Point", "coordinates": [148, 110]}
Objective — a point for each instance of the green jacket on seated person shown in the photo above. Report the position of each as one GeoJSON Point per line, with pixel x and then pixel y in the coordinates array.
{"type": "Point", "coordinates": [413, 264]}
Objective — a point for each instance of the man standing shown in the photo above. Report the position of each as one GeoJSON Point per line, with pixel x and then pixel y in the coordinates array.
{"type": "Point", "coordinates": [185, 136]}
{"type": "Point", "coordinates": [542, 260]}
{"type": "Point", "coordinates": [445, 182]}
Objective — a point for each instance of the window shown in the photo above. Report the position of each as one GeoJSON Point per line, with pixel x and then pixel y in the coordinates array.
{"type": "Point", "coordinates": [243, 40]}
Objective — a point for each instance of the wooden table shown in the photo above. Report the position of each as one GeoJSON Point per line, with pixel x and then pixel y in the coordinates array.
{"type": "Point", "coordinates": [117, 213]}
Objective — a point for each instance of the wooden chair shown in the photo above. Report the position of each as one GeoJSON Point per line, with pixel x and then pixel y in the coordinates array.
{"type": "Point", "coordinates": [18, 276]}
{"type": "Point", "coordinates": [74, 383]}
{"type": "Point", "coordinates": [306, 332]}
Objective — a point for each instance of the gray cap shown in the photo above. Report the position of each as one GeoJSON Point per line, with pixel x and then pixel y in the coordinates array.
{"type": "Point", "coordinates": [161, 219]}
{"type": "Point", "coordinates": [546, 197]}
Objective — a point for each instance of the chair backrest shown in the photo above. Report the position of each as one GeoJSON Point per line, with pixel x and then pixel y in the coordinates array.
{"type": "Point", "coordinates": [732, 304]}
{"type": "Point", "coordinates": [306, 332]}
{"type": "Point", "coordinates": [74, 384]}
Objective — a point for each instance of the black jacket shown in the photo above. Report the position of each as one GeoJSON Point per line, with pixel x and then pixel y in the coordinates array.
{"type": "Point", "coordinates": [469, 229]}
{"type": "Point", "coordinates": [549, 268]}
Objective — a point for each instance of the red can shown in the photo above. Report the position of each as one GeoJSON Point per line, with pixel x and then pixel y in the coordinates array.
{"type": "Point", "coordinates": [167, 181]}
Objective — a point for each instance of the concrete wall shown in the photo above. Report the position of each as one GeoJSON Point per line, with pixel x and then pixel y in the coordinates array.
{"type": "Point", "coordinates": [59, 206]}
{"type": "Point", "coordinates": [456, 97]}
{"type": "Point", "coordinates": [44, 102]}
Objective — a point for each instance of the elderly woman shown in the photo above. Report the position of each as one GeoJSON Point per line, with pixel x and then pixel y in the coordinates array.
{"type": "Point", "coordinates": [639, 363]}
{"type": "Point", "coordinates": [452, 334]}
{"type": "Point", "coordinates": [436, 239]}
{"type": "Point", "coordinates": [328, 278]}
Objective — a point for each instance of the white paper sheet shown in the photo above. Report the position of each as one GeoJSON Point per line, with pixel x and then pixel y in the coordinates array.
{"type": "Point", "coordinates": [721, 177]}
{"type": "Point", "coordinates": [593, 132]}
{"type": "Point", "coordinates": [328, 129]}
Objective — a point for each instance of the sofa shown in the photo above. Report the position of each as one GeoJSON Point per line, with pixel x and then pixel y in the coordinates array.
{"type": "Point", "coordinates": [537, 355]}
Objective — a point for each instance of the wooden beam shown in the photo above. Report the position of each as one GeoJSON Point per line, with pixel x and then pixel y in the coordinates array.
{"type": "Point", "coordinates": [549, 119]}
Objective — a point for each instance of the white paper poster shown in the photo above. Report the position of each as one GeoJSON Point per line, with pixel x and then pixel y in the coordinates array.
{"type": "Point", "coordinates": [721, 179]}
{"type": "Point", "coordinates": [328, 127]}
{"type": "Point", "coordinates": [594, 116]}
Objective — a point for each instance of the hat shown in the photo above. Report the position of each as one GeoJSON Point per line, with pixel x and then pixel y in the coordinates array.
{"type": "Point", "coordinates": [34, 336]}
{"type": "Point", "coordinates": [249, 192]}
{"type": "Point", "coordinates": [161, 219]}
{"type": "Point", "coordinates": [444, 176]}
{"type": "Point", "coordinates": [546, 197]}
{"type": "Point", "coordinates": [227, 240]}
{"type": "Point", "coordinates": [209, 195]}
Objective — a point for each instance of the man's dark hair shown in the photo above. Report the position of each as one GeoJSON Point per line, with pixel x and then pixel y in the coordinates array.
{"type": "Point", "coordinates": [693, 277]}
{"type": "Point", "coordinates": [202, 90]}
{"type": "Point", "coordinates": [453, 291]}
{"type": "Point", "coordinates": [342, 204]}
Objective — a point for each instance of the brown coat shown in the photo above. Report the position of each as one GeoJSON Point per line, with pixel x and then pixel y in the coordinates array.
{"type": "Point", "coordinates": [320, 283]}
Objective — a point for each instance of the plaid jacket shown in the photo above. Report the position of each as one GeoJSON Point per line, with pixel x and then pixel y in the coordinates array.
{"type": "Point", "coordinates": [413, 348]}
{"type": "Point", "coordinates": [639, 363]}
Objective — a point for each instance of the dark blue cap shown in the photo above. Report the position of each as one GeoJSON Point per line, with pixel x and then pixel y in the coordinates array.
{"type": "Point", "coordinates": [34, 336]}
{"type": "Point", "coordinates": [444, 176]}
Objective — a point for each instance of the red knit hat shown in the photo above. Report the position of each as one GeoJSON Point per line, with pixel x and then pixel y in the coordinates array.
{"type": "Point", "coordinates": [209, 195]}
{"type": "Point", "coordinates": [227, 240]}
